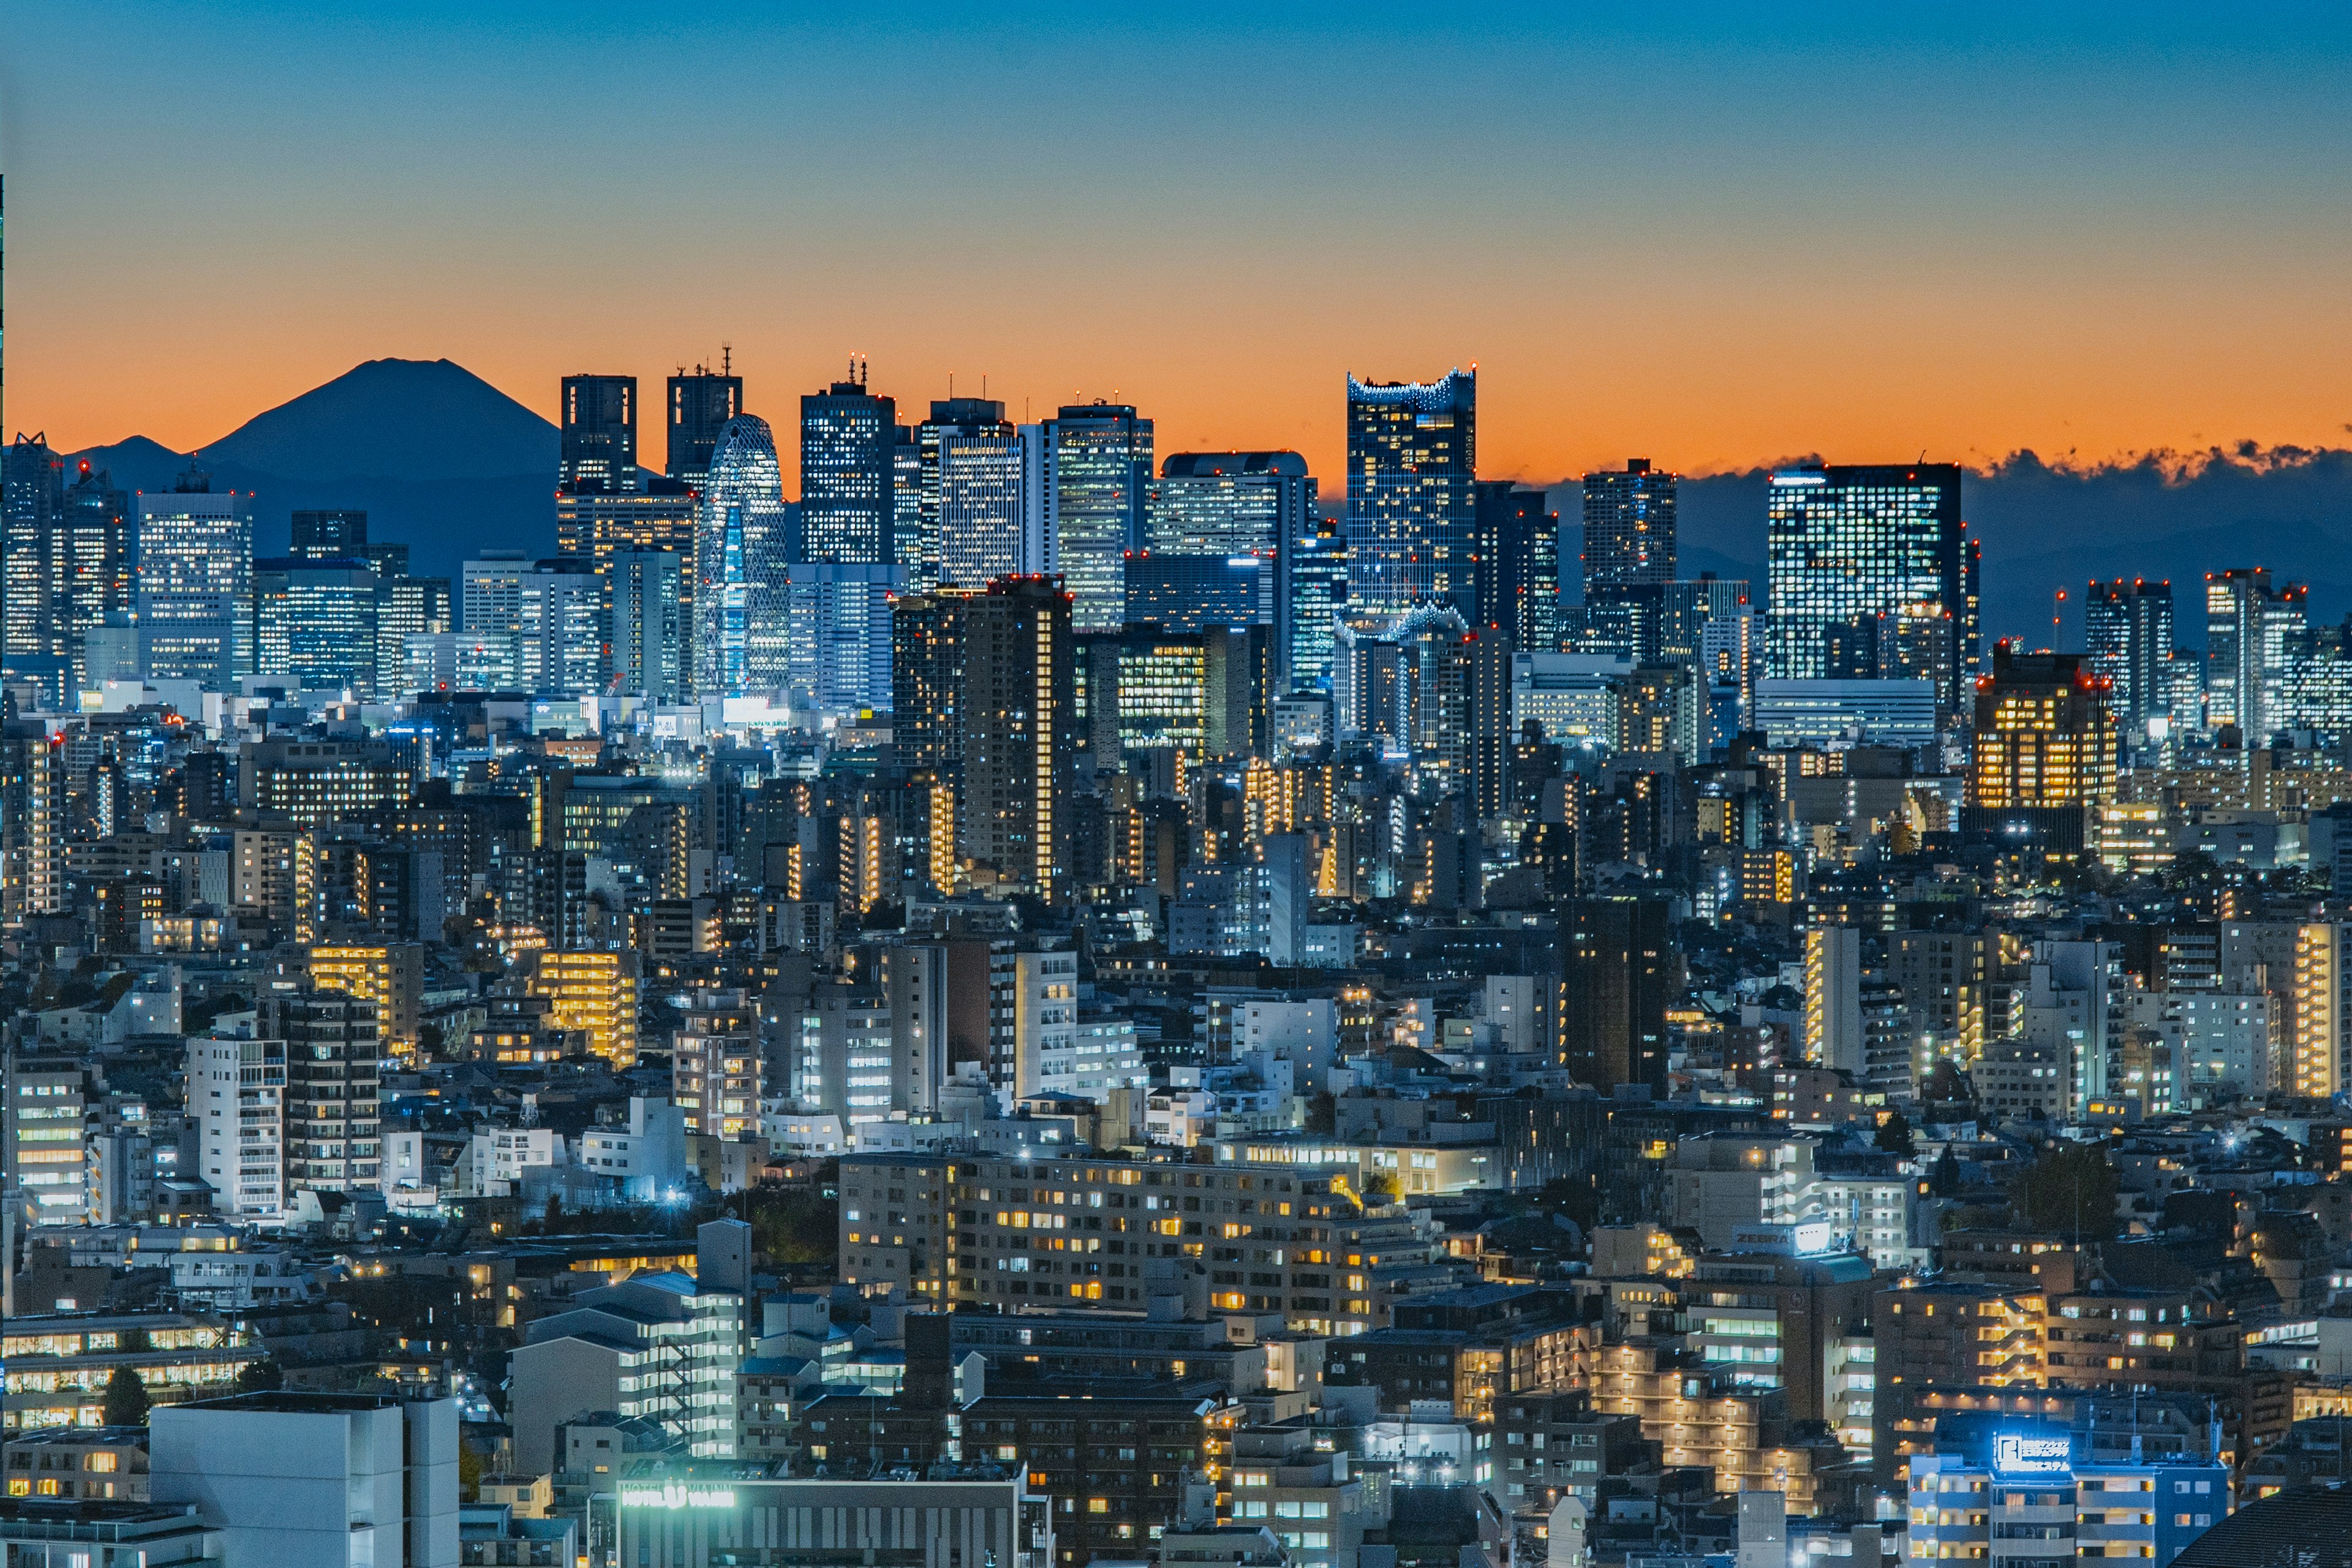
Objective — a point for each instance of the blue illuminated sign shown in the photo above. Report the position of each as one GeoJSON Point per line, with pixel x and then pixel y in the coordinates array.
{"type": "Point", "coordinates": [2032, 1454]}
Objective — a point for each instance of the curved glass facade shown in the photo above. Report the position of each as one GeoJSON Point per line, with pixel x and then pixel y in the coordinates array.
{"type": "Point", "coordinates": [743, 545]}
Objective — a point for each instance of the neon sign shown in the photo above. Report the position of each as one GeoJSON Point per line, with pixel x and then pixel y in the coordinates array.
{"type": "Point", "coordinates": [676, 1494]}
{"type": "Point", "coordinates": [2022, 1454]}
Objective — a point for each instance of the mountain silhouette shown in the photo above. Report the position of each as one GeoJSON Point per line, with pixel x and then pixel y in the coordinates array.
{"type": "Point", "coordinates": [438, 459]}
{"type": "Point", "coordinates": [420, 421]}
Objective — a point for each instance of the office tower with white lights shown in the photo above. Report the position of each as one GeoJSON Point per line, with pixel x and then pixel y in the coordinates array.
{"type": "Point", "coordinates": [1098, 475]}
{"type": "Point", "coordinates": [1413, 452]}
{"type": "Point", "coordinates": [846, 437]}
{"type": "Point", "coordinates": [195, 584]}
{"type": "Point", "coordinates": [1847, 546]}
{"type": "Point", "coordinates": [2127, 633]}
{"type": "Point", "coordinates": [978, 500]}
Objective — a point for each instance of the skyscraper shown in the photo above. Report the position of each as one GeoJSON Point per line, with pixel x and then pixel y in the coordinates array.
{"type": "Point", "coordinates": [1629, 527]}
{"type": "Point", "coordinates": [315, 623]}
{"type": "Point", "coordinates": [323, 535]}
{"type": "Point", "coordinates": [1098, 460]}
{"type": "Point", "coordinates": [87, 573]}
{"type": "Point", "coordinates": [2044, 752]}
{"type": "Point", "coordinates": [648, 596]}
{"type": "Point", "coordinates": [1847, 544]}
{"type": "Point", "coordinates": [846, 435]}
{"type": "Point", "coordinates": [1018, 725]}
{"type": "Point", "coordinates": [1516, 541]}
{"type": "Point", "coordinates": [1311, 588]}
{"type": "Point", "coordinates": [1230, 503]}
{"type": "Point", "coordinates": [2250, 637]}
{"type": "Point", "coordinates": [195, 584]}
{"type": "Point", "coordinates": [742, 549]}
{"type": "Point", "coordinates": [599, 523]}
{"type": "Point", "coordinates": [32, 500]}
{"type": "Point", "coordinates": [600, 434]}
{"type": "Point", "coordinates": [406, 606]}
{"type": "Point", "coordinates": [2128, 631]}
{"type": "Point", "coordinates": [976, 495]}
{"type": "Point", "coordinates": [915, 551]}
{"type": "Point", "coordinates": [1412, 451]}
{"type": "Point", "coordinates": [561, 628]}
{"type": "Point", "coordinates": [699, 407]}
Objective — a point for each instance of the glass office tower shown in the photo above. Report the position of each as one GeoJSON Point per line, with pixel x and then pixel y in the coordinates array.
{"type": "Point", "coordinates": [742, 540]}
{"type": "Point", "coordinates": [1847, 545]}
{"type": "Point", "coordinates": [1411, 453]}
{"type": "Point", "coordinates": [1098, 475]}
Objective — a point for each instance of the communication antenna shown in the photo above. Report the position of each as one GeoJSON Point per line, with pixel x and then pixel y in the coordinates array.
{"type": "Point", "coordinates": [726, 359]}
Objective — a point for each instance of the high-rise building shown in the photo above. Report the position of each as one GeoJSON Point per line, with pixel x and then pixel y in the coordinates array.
{"type": "Point", "coordinates": [329, 535]}
{"type": "Point", "coordinates": [742, 548]}
{"type": "Point", "coordinates": [649, 621]}
{"type": "Point", "coordinates": [1018, 727]}
{"type": "Point", "coordinates": [492, 600]}
{"type": "Point", "coordinates": [315, 623]}
{"type": "Point", "coordinates": [2250, 632]}
{"type": "Point", "coordinates": [913, 549]}
{"type": "Point", "coordinates": [594, 992]}
{"type": "Point", "coordinates": [1311, 596]}
{"type": "Point", "coordinates": [715, 1066]}
{"type": "Point", "coordinates": [560, 629]}
{"type": "Point", "coordinates": [840, 619]}
{"type": "Point", "coordinates": [1847, 545]}
{"type": "Point", "coordinates": [659, 515]}
{"type": "Point", "coordinates": [2127, 629]}
{"type": "Point", "coordinates": [1230, 503]}
{"type": "Point", "coordinates": [2045, 753]}
{"type": "Point", "coordinates": [33, 805]}
{"type": "Point", "coordinates": [334, 1061]}
{"type": "Point", "coordinates": [195, 584]}
{"type": "Point", "coordinates": [846, 505]}
{"type": "Point", "coordinates": [1629, 527]}
{"type": "Point", "coordinates": [236, 1099]}
{"type": "Point", "coordinates": [406, 606]}
{"type": "Point", "coordinates": [68, 568]}
{"type": "Point", "coordinates": [1617, 963]}
{"type": "Point", "coordinates": [600, 434]}
{"type": "Point", "coordinates": [977, 499]}
{"type": "Point", "coordinates": [699, 407]}
{"type": "Point", "coordinates": [1516, 541]}
{"type": "Point", "coordinates": [1097, 459]}
{"type": "Point", "coordinates": [1833, 1034]}
{"type": "Point", "coordinates": [1412, 453]}
{"type": "Point", "coordinates": [32, 500]}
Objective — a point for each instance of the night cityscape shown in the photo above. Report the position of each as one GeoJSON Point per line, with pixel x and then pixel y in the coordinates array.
{"type": "Point", "coordinates": [633, 935]}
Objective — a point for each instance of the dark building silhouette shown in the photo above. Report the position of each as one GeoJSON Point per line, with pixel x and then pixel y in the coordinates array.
{"type": "Point", "coordinates": [699, 407]}
{"type": "Point", "coordinates": [600, 434]}
{"type": "Point", "coordinates": [1616, 976]}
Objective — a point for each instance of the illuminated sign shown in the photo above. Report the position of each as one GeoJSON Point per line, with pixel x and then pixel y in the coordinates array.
{"type": "Point", "coordinates": [1812, 1237]}
{"type": "Point", "coordinates": [2023, 1454]}
{"type": "Point", "coordinates": [676, 1494]}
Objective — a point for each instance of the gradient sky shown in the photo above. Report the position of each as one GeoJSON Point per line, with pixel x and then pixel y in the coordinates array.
{"type": "Point", "coordinates": [1700, 233]}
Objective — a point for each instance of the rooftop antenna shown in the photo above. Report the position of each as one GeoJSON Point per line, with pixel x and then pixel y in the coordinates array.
{"type": "Point", "coordinates": [726, 359]}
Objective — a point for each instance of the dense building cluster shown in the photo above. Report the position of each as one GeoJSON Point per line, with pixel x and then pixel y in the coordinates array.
{"type": "Point", "coordinates": [1049, 1005]}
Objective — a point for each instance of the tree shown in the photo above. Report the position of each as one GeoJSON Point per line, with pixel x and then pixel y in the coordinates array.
{"type": "Point", "coordinates": [2071, 1190]}
{"type": "Point", "coordinates": [1895, 1135]}
{"type": "Point", "coordinates": [261, 1377]}
{"type": "Point", "coordinates": [1322, 1113]}
{"type": "Point", "coordinates": [126, 1399]}
{"type": "Point", "coordinates": [1382, 1187]}
{"type": "Point", "coordinates": [470, 1473]}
